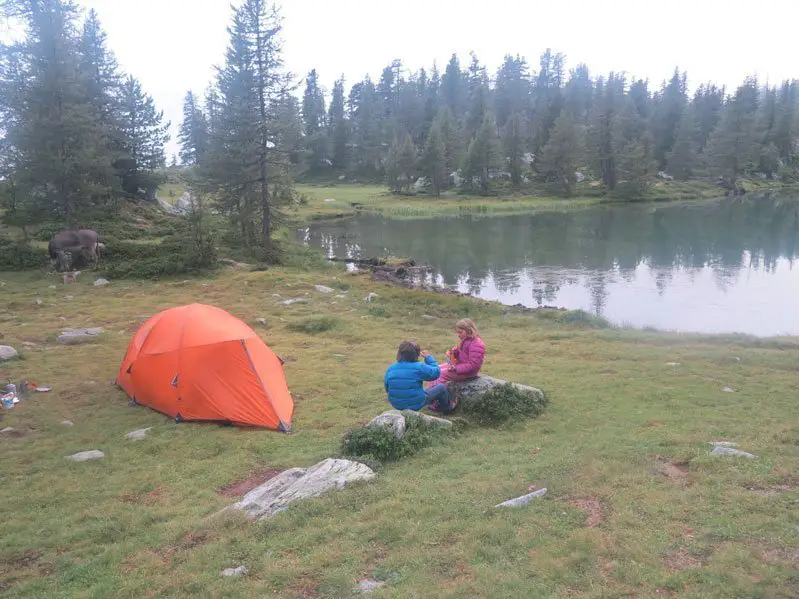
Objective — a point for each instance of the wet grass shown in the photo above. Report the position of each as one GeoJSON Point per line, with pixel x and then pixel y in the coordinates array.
{"type": "Point", "coordinates": [636, 506]}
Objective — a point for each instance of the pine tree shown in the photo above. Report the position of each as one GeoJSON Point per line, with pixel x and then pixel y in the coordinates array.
{"type": "Point", "coordinates": [605, 131]}
{"type": "Point", "coordinates": [143, 137]}
{"type": "Point", "coordinates": [339, 128]}
{"type": "Point", "coordinates": [563, 153]}
{"type": "Point", "coordinates": [314, 120]}
{"type": "Point", "coordinates": [401, 164]}
{"type": "Point", "coordinates": [59, 145]}
{"type": "Point", "coordinates": [434, 160]}
{"type": "Point", "coordinates": [477, 98]}
{"type": "Point", "coordinates": [453, 87]}
{"type": "Point", "coordinates": [636, 166]}
{"type": "Point", "coordinates": [514, 144]}
{"type": "Point", "coordinates": [453, 141]}
{"type": "Point", "coordinates": [193, 134]}
{"type": "Point", "coordinates": [483, 155]}
{"type": "Point", "coordinates": [670, 104]}
{"type": "Point", "coordinates": [252, 154]}
{"type": "Point", "coordinates": [512, 89]}
{"type": "Point", "coordinates": [787, 133]}
{"type": "Point", "coordinates": [733, 146]}
{"type": "Point", "coordinates": [682, 159]}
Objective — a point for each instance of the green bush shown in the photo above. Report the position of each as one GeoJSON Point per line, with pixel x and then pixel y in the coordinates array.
{"type": "Point", "coordinates": [378, 443]}
{"type": "Point", "coordinates": [15, 255]}
{"type": "Point", "coordinates": [315, 325]}
{"type": "Point", "coordinates": [502, 404]}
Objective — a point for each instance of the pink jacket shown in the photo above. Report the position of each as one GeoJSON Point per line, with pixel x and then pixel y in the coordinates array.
{"type": "Point", "coordinates": [468, 357]}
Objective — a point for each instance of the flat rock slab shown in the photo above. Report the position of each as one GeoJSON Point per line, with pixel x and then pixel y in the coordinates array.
{"type": "Point", "coordinates": [139, 434]}
{"type": "Point", "coordinates": [7, 430]}
{"type": "Point", "coordinates": [392, 420]}
{"type": "Point", "coordinates": [295, 484]}
{"type": "Point", "coordinates": [101, 282]}
{"type": "Point", "coordinates": [523, 500]}
{"type": "Point", "coordinates": [324, 289]}
{"type": "Point", "coordinates": [482, 383]}
{"type": "Point", "coordinates": [77, 336]}
{"type": "Point", "coordinates": [235, 572]}
{"type": "Point", "coordinates": [67, 423]}
{"type": "Point", "coordinates": [729, 451]}
{"type": "Point", "coordinates": [369, 585]}
{"type": "Point", "coordinates": [723, 444]}
{"type": "Point", "coordinates": [83, 456]}
{"type": "Point", "coordinates": [296, 300]}
{"type": "Point", "coordinates": [7, 352]}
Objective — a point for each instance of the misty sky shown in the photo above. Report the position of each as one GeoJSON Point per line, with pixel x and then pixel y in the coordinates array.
{"type": "Point", "coordinates": [171, 45]}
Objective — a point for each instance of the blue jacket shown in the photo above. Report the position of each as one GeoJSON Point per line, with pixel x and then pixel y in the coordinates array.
{"type": "Point", "coordinates": [403, 383]}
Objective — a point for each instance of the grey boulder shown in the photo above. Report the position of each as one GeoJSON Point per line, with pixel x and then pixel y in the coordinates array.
{"type": "Point", "coordinates": [77, 336]}
{"type": "Point", "coordinates": [392, 420]}
{"type": "Point", "coordinates": [83, 456]}
{"type": "Point", "coordinates": [523, 500]}
{"type": "Point", "coordinates": [7, 352]}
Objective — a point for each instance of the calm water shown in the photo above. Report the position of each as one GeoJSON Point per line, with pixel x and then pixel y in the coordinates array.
{"type": "Point", "coordinates": [721, 267]}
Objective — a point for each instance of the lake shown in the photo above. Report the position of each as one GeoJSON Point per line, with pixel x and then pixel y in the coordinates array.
{"type": "Point", "coordinates": [714, 267]}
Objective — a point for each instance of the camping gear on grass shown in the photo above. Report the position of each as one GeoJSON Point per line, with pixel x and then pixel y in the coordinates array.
{"type": "Point", "coordinates": [199, 362]}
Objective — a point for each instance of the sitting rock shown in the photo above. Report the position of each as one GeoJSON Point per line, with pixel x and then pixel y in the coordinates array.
{"type": "Point", "coordinates": [393, 420]}
{"type": "Point", "coordinates": [479, 385]}
{"type": "Point", "coordinates": [7, 352]}
{"type": "Point", "coordinates": [431, 421]}
{"type": "Point", "coordinates": [490, 401]}
{"type": "Point", "coordinates": [77, 336]}
{"type": "Point", "coordinates": [295, 484]}
{"type": "Point", "coordinates": [186, 203]}
{"type": "Point", "coordinates": [235, 572]}
{"type": "Point", "coordinates": [139, 434]}
{"type": "Point", "coordinates": [523, 500]}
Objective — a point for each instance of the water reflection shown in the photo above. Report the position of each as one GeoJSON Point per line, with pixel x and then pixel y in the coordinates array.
{"type": "Point", "coordinates": [712, 267]}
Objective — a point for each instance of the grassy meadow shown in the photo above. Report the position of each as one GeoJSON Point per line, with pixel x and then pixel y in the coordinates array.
{"type": "Point", "coordinates": [636, 505]}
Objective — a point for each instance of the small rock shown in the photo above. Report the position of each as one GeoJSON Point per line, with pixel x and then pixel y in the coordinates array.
{"type": "Point", "coordinates": [392, 419]}
{"type": "Point", "coordinates": [53, 287]}
{"type": "Point", "coordinates": [69, 297]}
{"type": "Point", "coordinates": [341, 296]}
{"type": "Point", "coordinates": [728, 390]}
{"type": "Point", "coordinates": [139, 434]}
{"type": "Point", "coordinates": [368, 585]}
{"type": "Point", "coordinates": [67, 423]}
{"type": "Point", "coordinates": [428, 317]}
{"type": "Point", "coordinates": [523, 500]}
{"type": "Point", "coordinates": [101, 282]}
{"type": "Point", "coordinates": [328, 200]}
{"type": "Point", "coordinates": [729, 451]}
{"type": "Point", "coordinates": [76, 336]}
{"type": "Point", "coordinates": [261, 321]}
{"type": "Point", "coordinates": [7, 430]}
{"type": "Point", "coordinates": [371, 297]}
{"type": "Point", "coordinates": [7, 352]}
{"type": "Point", "coordinates": [235, 572]}
{"type": "Point", "coordinates": [339, 356]}
{"type": "Point", "coordinates": [324, 289]}
{"type": "Point", "coordinates": [39, 302]}
{"type": "Point", "coordinates": [296, 300]}
{"type": "Point", "coordinates": [28, 344]}
{"type": "Point", "coordinates": [83, 456]}
{"type": "Point", "coordinates": [672, 363]}
{"type": "Point", "coordinates": [723, 444]}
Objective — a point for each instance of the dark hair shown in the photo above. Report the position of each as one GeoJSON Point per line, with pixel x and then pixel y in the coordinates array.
{"type": "Point", "coordinates": [408, 352]}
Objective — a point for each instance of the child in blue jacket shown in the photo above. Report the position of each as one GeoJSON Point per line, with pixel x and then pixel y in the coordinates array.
{"type": "Point", "coordinates": [404, 379]}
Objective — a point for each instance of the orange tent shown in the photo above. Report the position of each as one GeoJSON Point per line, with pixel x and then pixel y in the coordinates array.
{"type": "Point", "coordinates": [198, 362]}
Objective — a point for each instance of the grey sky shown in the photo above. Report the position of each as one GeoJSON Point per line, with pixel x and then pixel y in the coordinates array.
{"type": "Point", "coordinates": [171, 45]}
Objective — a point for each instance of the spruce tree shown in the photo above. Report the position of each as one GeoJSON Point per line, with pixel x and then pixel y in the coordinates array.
{"type": "Point", "coordinates": [563, 153]}
{"type": "Point", "coordinates": [682, 159]}
{"type": "Point", "coordinates": [733, 147]}
{"type": "Point", "coordinates": [339, 128]}
{"type": "Point", "coordinates": [193, 134]}
{"type": "Point", "coordinates": [434, 159]}
{"type": "Point", "coordinates": [401, 164]}
{"type": "Point", "coordinates": [483, 156]}
{"type": "Point", "coordinates": [314, 119]}
{"type": "Point", "coordinates": [514, 144]}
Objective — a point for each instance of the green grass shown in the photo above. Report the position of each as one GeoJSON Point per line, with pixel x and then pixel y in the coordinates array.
{"type": "Point", "coordinates": [136, 524]}
{"type": "Point", "coordinates": [170, 192]}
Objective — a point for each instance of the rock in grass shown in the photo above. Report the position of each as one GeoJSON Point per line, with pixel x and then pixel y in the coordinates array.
{"type": "Point", "coordinates": [393, 420]}
{"type": "Point", "coordinates": [7, 430]}
{"type": "Point", "coordinates": [323, 289]}
{"type": "Point", "coordinates": [77, 336]}
{"type": "Point", "coordinates": [235, 572]}
{"type": "Point", "coordinates": [296, 300]}
{"type": "Point", "coordinates": [67, 423]}
{"type": "Point", "coordinates": [7, 352]}
{"type": "Point", "coordinates": [728, 390]}
{"type": "Point", "coordinates": [296, 484]}
{"type": "Point", "coordinates": [723, 444]}
{"type": "Point", "coordinates": [729, 451]}
{"type": "Point", "coordinates": [523, 500]}
{"type": "Point", "coordinates": [479, 385]}
{"type": "Point", "coordinates": [430, 420]}
{"type": "Point", "coordinates": [139, 434]}
{"type": "Point", "coordinates": [83, 456]}
{"type": "Point", "coordinates": [369, 585]}
{"type": "Point", "coordinates": [101, 282]}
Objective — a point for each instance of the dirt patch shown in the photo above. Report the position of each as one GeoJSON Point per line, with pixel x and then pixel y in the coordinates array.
{"type": "Point", "coordinates": [788, 484]}
{"type": "Point", "coordinates": [26, 560]}
{"type": "Point", "coordinates": [255, 478]}
{"type": "Point", "coordinates": [150, 498]}
{"type": "Point", "coordinates": [679, 560]}
{"type": "Point", "coordinates": [785, 556]}
{"type": "Point", "coordinates": [591, 507]}
{"type": "Point", "coordinates": [302, 589]}
{"type": "Point", "coordinates": [15, 434]}
{"type": "Point", "coordinates": [676, 471]}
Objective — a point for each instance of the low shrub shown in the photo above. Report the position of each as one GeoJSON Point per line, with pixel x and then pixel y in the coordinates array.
{"type": "Point", "coordinates": [378, 443]}
{"type": "Point", "coordinates": [502, 404]}
{"type": "Point", "coordinates": [15, 255]}
{"type": "Point", "coordinates": [315, 325]}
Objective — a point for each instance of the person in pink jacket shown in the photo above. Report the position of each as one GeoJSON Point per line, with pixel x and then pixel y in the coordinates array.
{"type": "Point", "coordinates": [464, 360]}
